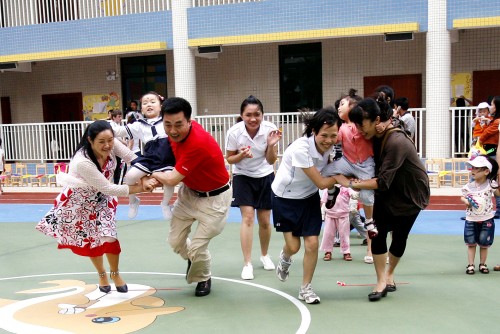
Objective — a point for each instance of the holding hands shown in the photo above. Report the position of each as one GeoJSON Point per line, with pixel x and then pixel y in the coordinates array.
{"type": "Point", "coordinates": [149, 183]}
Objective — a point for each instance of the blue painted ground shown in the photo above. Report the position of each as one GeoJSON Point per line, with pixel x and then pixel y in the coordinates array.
{"type": "Point", "coordinates": [428, 222]}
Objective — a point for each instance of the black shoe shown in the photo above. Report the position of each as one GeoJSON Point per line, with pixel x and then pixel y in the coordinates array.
{"type": "Point", "coordinates": [203, 288]}
{"type": "Point", "coordinates": [331, 201]}
{"type": "Point", "coordinates": [391, 287]}
{"type": "Point", "coordinates": [336, 244]}
{"type": "Point", "coordinates": [375, 295]}
{"type": "Point", "coordinates": [365, 242]}
{"type": "Point", "coordinates": [189, 267]}
{"type": "Point", "coordinates": [105, 288]}
{"type": "Point", "coordinates": [122, 289]}
{"type": "Point", "coordinates": [463, 218]}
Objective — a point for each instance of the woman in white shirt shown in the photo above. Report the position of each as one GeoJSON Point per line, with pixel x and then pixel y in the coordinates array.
{"type": "Point", "coordinates": [296, 201]}
{"type": "Point", "coordinates": [251, 148]}
{"type": "Point", "coordinates": [83, 218]}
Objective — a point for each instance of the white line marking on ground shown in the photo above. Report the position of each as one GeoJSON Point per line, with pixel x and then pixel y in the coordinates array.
{"type": "Point", "coordinates": [304, 312]}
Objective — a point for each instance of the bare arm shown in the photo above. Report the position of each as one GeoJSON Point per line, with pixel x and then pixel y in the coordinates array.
{"type": "Point", "coordinates": [319, 180]}
{"type": "Point", "coordinates": [171, 179]}
{"type": "Point", "coordinates": [357, 184]}
{"type": "Point", "coordinates": [233, 157]}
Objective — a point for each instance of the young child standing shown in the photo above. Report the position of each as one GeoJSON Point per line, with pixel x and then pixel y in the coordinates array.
{"type": "Point", "coordinates": [357, 160]}
{"type": "Point", "coordinates": [337, 219]}
{"type": "Point", "coordinates": [479, 226]}
{"type": "Point", "coordinates": [157, 157]}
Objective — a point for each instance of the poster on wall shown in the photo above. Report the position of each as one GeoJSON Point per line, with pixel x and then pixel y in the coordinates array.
{"type": "Point", "coordinates": [461, 86]}
{"type": "Point", "coordinates": [97, 106]}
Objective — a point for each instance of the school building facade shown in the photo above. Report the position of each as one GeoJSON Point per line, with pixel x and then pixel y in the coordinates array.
{"type": "Point", "coordinates": [71, 60]}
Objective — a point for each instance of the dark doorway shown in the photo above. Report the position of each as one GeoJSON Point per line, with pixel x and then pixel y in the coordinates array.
{"type": "Point", "coordinates": [301, 81]}
{"type": "Point", "coordinates": [62, 107]}
{"type": "Point", "coordinates": [6, 113]}
{"type": "Point", "coordinates": [485, 85]}
{"type": "Point", "coordinates": [407, 85]}
{"type": "Point", "coordinates": [141, 75]}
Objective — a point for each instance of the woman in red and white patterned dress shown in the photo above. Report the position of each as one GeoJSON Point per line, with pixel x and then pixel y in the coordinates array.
{"type": "Point", "coordinates": [83, 218]}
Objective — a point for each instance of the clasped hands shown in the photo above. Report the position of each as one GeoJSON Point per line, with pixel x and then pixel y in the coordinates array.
{"type": "Point", "coordinates": [149, 183]}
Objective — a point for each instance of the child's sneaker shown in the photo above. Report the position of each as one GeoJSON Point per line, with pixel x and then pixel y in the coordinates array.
{"type": "Point", "coordinates": [133, 208]}
{"type": "Point", "coordinates": [282, 268]}
{"type": "Point", "coordinates": [368, 259]}
{"type": "Point", "coordinates": [371, 228]}
{"type": "Point", "coordinates": [165, 209]}
{"type": "Point", "coordinates": [308, 295]}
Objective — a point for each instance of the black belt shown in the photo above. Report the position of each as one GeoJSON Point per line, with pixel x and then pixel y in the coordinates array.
{"type": "Point", "coordinates": [213, 192]}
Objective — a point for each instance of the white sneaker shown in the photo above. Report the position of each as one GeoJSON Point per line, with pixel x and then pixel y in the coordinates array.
{"type": "Point", "coordinates": [308, 295]}
{"type": "Point", "coordinates": [133, 208]}
{"type": "Point", "coordinates": [247, 272]}
{"type": "Point", "coordinates": [267, 263]}
{"type": "Point", "coordinates": [282, 268]}
{"type": "Point", "coordinates": [368, 259]}
{"type": "Point", "coordinates": [165, 209]}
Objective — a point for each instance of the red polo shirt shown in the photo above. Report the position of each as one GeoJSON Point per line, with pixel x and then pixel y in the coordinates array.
{"type": "Point", "coordinates": [199, 158]}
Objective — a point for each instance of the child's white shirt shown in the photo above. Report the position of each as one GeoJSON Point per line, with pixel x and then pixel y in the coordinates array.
{"type": "Point", "coordinates": [482, 195]}
{"type": "Point", "coordinates": [142, 130]}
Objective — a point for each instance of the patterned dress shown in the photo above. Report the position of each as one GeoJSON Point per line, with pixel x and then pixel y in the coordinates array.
{"type": "Point", "coordinates": [83, 218]}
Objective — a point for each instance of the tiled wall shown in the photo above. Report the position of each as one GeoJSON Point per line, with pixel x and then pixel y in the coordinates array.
{"type": "Point", "coordinates": [100, 32]}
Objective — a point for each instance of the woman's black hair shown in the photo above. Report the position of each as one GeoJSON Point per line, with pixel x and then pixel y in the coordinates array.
{"type": "Point", "coordinates": [91, 133]}
{"type": "Point", "coordinates": [496, 102]}
{"type": "Point", "coordinates": [387, 92]}
{"type": "Point", "coordinates": [371, 108]}
{"type": "Point", "coordinates": [251, 100]}
{"type": "Point", "coordinates": [314, 122]}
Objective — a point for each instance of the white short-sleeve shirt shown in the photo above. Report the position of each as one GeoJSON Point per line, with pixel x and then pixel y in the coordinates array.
{"type": "Point", "coordinates": [290, 180]}
{"type": "Point", "coordinates": [238, 137]}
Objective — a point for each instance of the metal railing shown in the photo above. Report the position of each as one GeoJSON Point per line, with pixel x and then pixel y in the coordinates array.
{"type": "Point", "coordinates": [14, 13]}
{"type": "Point", "coordinates": [57, 141]}
{"type": "Point", "coordinates": [204, 3]}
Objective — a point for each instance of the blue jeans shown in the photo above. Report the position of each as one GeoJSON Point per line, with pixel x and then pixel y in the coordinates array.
{"type": "Point", "coordinates": [479, 233]}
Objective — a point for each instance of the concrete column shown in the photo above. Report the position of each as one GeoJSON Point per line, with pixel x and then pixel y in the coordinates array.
{"type": "Point", "coordinates": [184, 59]}
{"type": "Point", "coordinates": [438, 80]}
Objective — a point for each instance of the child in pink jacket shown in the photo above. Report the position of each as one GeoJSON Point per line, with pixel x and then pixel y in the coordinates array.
{"type": "Point", "coordinates": [337, 219]}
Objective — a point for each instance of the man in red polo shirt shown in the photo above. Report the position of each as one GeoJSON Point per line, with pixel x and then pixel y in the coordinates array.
{"type": "Point", "coordinates": [205, 195]}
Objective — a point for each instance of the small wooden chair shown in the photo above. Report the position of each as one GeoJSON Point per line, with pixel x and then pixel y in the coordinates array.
{"type": "Point", "coordinates": [460, 173]}
{"type": "Point", "coordinates": [17, 176]}
{"type": "Point", "coordinates": [58, 167]}
{"type": "Point", "coordinates": [433, 170]}
{"type": "Point", "coordinates": [40, 179]}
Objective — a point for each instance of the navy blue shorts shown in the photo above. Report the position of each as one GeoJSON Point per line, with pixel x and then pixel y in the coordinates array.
{"type": "Point", "coordinates": [479, 233]}
{"type": "Point", "coordinates": [251, 191]}
{"type": "Point", "coordinates": [300, 216]}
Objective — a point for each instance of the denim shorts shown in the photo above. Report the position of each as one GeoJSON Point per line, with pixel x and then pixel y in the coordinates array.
{"type": "Point", "coordinates": [479, 233]}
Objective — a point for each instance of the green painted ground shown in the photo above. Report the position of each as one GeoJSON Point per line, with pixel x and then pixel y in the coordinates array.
{"type": "Point", "coordinates": [439, 296]}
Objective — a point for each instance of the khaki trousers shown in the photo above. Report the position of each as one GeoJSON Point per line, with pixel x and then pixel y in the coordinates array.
{"type": "Point", "coordinates": [211, 214]}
